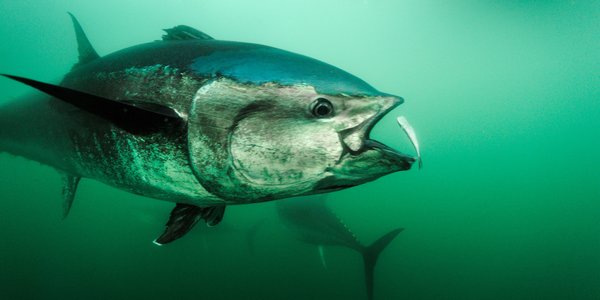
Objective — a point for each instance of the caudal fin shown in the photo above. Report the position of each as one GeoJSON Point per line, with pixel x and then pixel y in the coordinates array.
{"type": "Point", "coordinates": [371, 254]}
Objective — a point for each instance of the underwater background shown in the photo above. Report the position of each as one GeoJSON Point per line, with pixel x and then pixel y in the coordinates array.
{"type": "Point", "coordinates": [505, 99]}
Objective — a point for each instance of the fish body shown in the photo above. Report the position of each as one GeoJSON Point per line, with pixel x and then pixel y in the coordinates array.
{"type": "Point", "coordinates": [312, 221]}
{"type": "Point", "coordinates": [203, 123]}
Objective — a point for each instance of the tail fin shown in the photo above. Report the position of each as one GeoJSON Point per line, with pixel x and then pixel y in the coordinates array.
{"type": "Point", "coordinates": [371, 254]}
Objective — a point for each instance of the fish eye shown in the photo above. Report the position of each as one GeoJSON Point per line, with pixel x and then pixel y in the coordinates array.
{"type": "Point", "coordinates": [322, 108]}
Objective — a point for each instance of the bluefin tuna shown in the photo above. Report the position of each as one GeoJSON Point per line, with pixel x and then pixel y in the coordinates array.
{"type": "Point", "coordinates": [313, 222]}
{"type": "Point", "coordinates": [203, 123]}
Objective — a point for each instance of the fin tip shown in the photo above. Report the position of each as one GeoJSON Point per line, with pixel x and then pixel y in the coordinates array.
{"type": "Point", "coordinates": [87, 53]}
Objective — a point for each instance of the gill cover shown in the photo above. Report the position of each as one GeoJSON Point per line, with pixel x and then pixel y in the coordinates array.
{"type": "Point", "coordinates": [250, 142]}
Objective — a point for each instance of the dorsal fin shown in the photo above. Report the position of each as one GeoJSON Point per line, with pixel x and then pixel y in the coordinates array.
{"type": "Point", "coordinates": [184, 32]}
{"type": "Point", "coordinates": [69, 189]}
{"type": "Point", "coordinates": [86, 51]}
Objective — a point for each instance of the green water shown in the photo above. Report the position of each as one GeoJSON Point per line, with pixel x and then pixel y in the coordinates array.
{"type": "Point", "coordinates": [505, 98]}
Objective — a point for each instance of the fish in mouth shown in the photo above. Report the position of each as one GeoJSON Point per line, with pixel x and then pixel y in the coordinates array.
{"type": "Point", "coordinates": [204, 123]}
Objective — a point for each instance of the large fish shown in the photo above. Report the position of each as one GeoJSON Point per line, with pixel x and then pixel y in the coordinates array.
{"type": "Point", "coordinates": [311, 221]}
{"type": "Point", "coordinates": [203, 123]}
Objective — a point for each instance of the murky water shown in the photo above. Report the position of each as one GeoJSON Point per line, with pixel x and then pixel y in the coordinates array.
{"type": "Point", "coordinates": [504, 97]}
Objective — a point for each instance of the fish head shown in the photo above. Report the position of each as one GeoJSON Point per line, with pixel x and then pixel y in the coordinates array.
{"type": "Point", "coordinates": [362, 159]}
{"type": "Point", "coordinates": [258, 140]}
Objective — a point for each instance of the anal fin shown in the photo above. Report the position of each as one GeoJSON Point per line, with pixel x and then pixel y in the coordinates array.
{"type": "Point", "coordinates": [251, 235]}
{"type": "Point", "coordinates": [69, 189]}
{"type": "Point", "coordinates": [183, 218]}
{"type": "Point", "coordinates": [322, 256]}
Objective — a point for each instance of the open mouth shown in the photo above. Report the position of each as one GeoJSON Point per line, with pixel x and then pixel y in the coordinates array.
{"type": "Point", "coordinates": [357, 140]}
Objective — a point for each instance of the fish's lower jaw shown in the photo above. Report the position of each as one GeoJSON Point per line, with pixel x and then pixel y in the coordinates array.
{"type": "Point", "coordinates": [374, 160]}
{"type": "Point", "coordinates": [355, 171]}
{"type": "Point", "coordinates": [391, 156]}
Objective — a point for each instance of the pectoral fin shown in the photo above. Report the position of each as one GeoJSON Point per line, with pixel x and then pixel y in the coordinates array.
{"type": "Point", "coordinates": [183, 218]}
{"type": "Point", "coordinates": [134, 117]}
